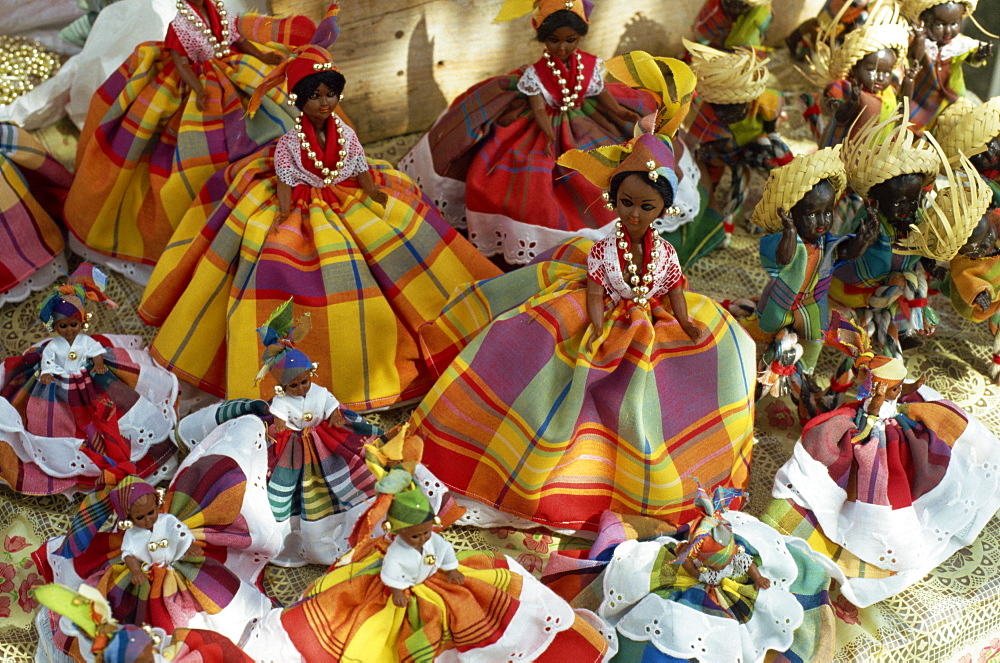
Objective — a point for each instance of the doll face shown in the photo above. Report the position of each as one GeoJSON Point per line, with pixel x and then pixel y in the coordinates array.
{"type": "Point", "coordinates": [874, 71]}
{"type": "Point", "coordinates": [944, 22]}
{"type": "Point", "coordinates": [813, 215]}
{"type": "Point", "coordinates": [417, 535]}
{"type": "Point", "coordinates": [321, 103]}
{"type": "Point", "coordinates": [562, 42]}
{"type": "Point", "coordinates": [734, 8]}
{"type": "Point", "coordinates": [989, 158]}
{"type": "Point", "coordinates": [638, 205]}
{"type": "Point", "coordinates": [730, 113]}
{"type": "Point", "coordinates": [299, 386]}
{"type": "Point", "coordinates": [898, 199]}
{"type": "Point", "coordinates": [983, 240]}
{"type": "Point", "coordinates": [144, 511]}
{"type": "Point", "coordinates": [68, 328]}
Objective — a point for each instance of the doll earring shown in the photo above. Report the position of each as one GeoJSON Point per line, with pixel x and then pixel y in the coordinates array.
{"type": "Point", "coordinates": [292, 98]}
{"type": "Point", "coordinates": [161, 494]}
{"type": "Point", "coordinates": [315, 368]}
{"type": "Point", "coordinates": [672, 211]}
{"type": "Point", "coordinates": [437, 521]}
{"type": "Point", "coordinates": [124, 524]}
{"type": "Point", "coordinates": [279, 390]}
{"type": "Point", "coordinates": [607, 200]}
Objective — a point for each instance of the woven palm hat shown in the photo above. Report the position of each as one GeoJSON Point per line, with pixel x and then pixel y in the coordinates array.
{"type": "Point", "coordinates": [727, 78]}
{"type": "Point", "coordinates": [912, 9]}
{"type": "Point", "coordinates": [788, 184]}
{"type": "Point", "coordinates": [966, 128]}
{"type": "Point", "coordinates": [884, 29]}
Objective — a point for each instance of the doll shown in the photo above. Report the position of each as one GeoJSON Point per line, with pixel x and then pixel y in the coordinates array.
{"type": "Point", "coordinates": [609, 342]}
{"type": "Point", "coordinates": [76, 33]}
{"type": "Point", "coordinates": [76, 393]}
{"type": "Point", "coordinates": [32, 191]}
{"type": "Point", "coordinates": [489, 161]}
{"type": "Point", "coordinates": [899, 479]}
{"type": "Point", "coordinates": [409, 596]}
{"type": "Point", "coordinates": [353, 242]}
{"type": "Point", "coordinates": [836, 18]}
{"type": "Point", "coordinates": [138, 166]}
{"type": "Point", "coordinates": [941, 49]}
{"type": "Point", "coordinates": [189, 557]}
{"type": "Point", "coordinates": [890, 167]}
{"type": "Point", "coordinates": [858, 72]}
{"type": "Point", "coordinates": [735, 122]}
{"type": "Point", "coordinates": [965, 128]}
{"type": "Point", "coordinates": [731, 592]}
{"type": "Point", "coordinates": [86, 616]}
{"type": "Point", "coordinates": [729, 24]}
{"type": "Point", "coordinates": [799, 257]}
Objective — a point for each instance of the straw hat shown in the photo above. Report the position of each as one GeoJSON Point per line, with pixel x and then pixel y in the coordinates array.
{"type": "Point", "coordinates": [727, 78]}
{"type": "Point", "coordinates": [884, 28]}
{"type": "Point", "coordinates": [912, 9]}
{"type": "Point", "coordinates": [787, 185]}
{"type": "Point", "coordinates": [883, 150]}
{"type": "Point", "coordinates": [966, 128]}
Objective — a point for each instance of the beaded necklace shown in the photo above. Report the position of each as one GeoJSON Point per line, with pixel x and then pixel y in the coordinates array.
{"type": "Point", "coordinates": [328, 174]}
{"type": "Point", "coordinates": [220, 49]}
{"type": "Point", "coordinates": [640, 291]}
{"type": "Point", "coordinates": [568, 97]}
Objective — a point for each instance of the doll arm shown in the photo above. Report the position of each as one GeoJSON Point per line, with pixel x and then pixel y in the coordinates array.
{"type": "Point", "coordinates": [449, 561]}
{"type": "Point", "coordinates": [194, 550]}
{"type": "Point", "coordinates": [607, 102]}
{"type": "Point", "coordinates": [680, 307]}
{"type": "Point", "coordinates": [867, 233]}
{"type": "Point", "coordinates": [284, 192]}
{"type": "Point", "coordinates": [759, 581]}
{"type": "Point", "coordinates": [138, 577]}
{"type": "Point", "coordinates": [245, 46]}
{"type": "Point", "coordinates": [188, 76]}
{"type": "Point", "coordinates": [99, 366]}
{"type": "Point", "coordinates": [983, 53]}
{"type": "Point", "coordinates": [911, 387]}
{"type": "Point", "coordinates": [918, 47]}
{"type": "Point", "coordinates": [538, 109]}
{"type": "Point", "coordinates": [595, 310]}
{"type": "Point", "coordinates": [373, 190]}
{"type": "Point", "coordinates": [786, 247]}
{"type": "Point", "coordinates": [877, 398]}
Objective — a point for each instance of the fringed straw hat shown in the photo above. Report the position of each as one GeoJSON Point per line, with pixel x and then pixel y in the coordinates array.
{"type": "Point", "coordinates": [883, 150]}
{"type": "Point", "coordinates": [727, 78]}
{"type": "Point", "coordinates": [884, 28]}
{"type": "Point", "coordinates": [912, 9]}
{"type": "Point", "coordinates": [966, 128]}
{"type": "Point", "coordinates": [787, 185]}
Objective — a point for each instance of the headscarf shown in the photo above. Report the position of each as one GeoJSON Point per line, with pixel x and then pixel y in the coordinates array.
{"type": "Point", "coordinates": [711, 541]}
{"type": "Point", "coordinates": [852, 340]}
{"type": "Point", "coordinates": [279, 336]}
{"type": "Point", "coordinates": [542, 9]}
{"type": "Point", "coordinates": [109, 503]}
{"type": "Point", "coordinates": [87, 282]}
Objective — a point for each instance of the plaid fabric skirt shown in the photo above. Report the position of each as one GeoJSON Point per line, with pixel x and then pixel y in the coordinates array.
{"type": "Point", "coordinates": [499, 613]}
{"type": "Point", "coordinates": [369, 276]}
{"type": "Point", "coordinates": [526, 420]}
{"type": "Point", "coordinates": [146, 150]}
{"type": "Point", "coordinates": [33, 186]}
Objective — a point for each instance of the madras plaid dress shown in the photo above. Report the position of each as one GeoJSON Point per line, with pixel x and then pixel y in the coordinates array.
{"type": "Point", "coordinates": [713, 27]}
{"type": "Point", "coordinates": [941, 79]}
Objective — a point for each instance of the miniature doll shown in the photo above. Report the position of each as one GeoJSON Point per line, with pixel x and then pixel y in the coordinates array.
{"type": "Point", "coordinates": [899, 479]}
{"type": "Point", "coordinates": [729, 24]}
{"type": "Point", "coordinates": [189, 557]}
{"type": "Point", "coordinates": [886, 288]}
{"type": "Point", "coordinates": [799, 257]}
{"type": "Point", "coordinates": [76, 33]}
{"type": "Point", "coordinates": [138, 165]}
{"type": "Point", "coordinates": [76, 393]}
{"type": "Point", "coordinates": [86, 616]}
{"type": "Point", "coordinates": [489, 161]}
{"type": "Point", "coordinates": [836, 18]}
{"type": "Point", "coordinates": [609, 345]}
{"type": "Point", "coordinates": [32, 191]}
{"type": "Point", "coordinates": [352, 242]}
{"type": "Point", "coordinates": [409, 596]}
{"type": "Point", "coordinates": [858, 72]}
{"type": "Point", "coordinates": [735, 123]}
{"type": "Point", "coordinates": [941, 49]}
{"type": "Point", "coordinates": [731, 592]}
{"type": "Point", "coordinates": [965, 128]}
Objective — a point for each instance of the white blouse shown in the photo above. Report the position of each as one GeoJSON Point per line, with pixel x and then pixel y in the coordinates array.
{"type": "Point", "coordinates": [605, 268]}
{"type": "Point", "coordinates": [288, 160]}
{"type": "Point", "coordinates": [61, 358]}
{"type": "Point", "coordinates": [301, 412]}
{"type": "Point", "coordinates": [404, 566]}
{"type": "Point", "coordinates": [529, 84]}
{"type": "Point", "coordinates": [171, 539]}
{"type": "Point", "coordinates": [738, 566]}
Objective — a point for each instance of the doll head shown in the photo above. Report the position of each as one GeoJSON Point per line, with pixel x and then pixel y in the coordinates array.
{"type": "Point", "coordinates": [711, 543]}
{"type": "Point", "coordinates": [68, 302]}
{"type": "Point", "coordinates": [973, 130]}
{"type": "Point", "coordinates": [943, 22]}
{"type": "Point", "coordinates": [730, 113]}
{"type": "Point", "coordinates": [317, 95]}
{"type": "Point", "coordinates": [868, 54]}
{"type": "Point", "coordinates": [411, 517]}
{"type": "Point", "coordinates": [281, 358]}
{"type": "Point", "coordinates": [135, 498]}
{"type": "Point", "coordinates": [299, 385]}
{"type": "Point", "coordinates": [813, 215]}
{"type": "Point", "coordinates": [982, 243]}
{"type": "Point", "coordinates": [639, 201]}
{"type": "Point", "coordinates": [728, 78]}
{"type": "Point", "coordinates": [561, 32]}
{"type": "Point", "coordinates": [881, 373]}
{"type": "Point", "coordinates": [989, 158]}
{"type": "Point", "coordinates": [293, 370]}
{"type": "Point", "coordinates": [807, 188]}
{"type": "Point", "coordinates": [874, 71]}
{"type": "Point", "coordinates": [899, 198]}
{"type": "Point", "coordinates": [69, 328]}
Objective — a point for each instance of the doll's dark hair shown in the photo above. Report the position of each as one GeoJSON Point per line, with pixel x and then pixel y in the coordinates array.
{"type": "Point", "coordinates": [563, 18]}
{"type": "Point", "coordinates": [332, 79]}
{"type": "Point", "coordinates": [661, 185]}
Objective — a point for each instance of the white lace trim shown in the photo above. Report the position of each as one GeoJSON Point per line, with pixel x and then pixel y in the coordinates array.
{"type": "Point", "coordinates": [960, 45]}
{"type": "Point", "coordinates": [133, 271]}
{"type": "Point", "coordinates": [290, 170]}
{"type": "Point", "coordinates": [530, 85]}
{"type": "Point", "coordinates": [40, 280]}
{"type": "Point", "coordinates": [604, 267]}
{"type": "Point", "coordinates": [447, 193]}
{"type": "Point", "coordinates": [518, 242]}
{"type": "Point", "coordinates": [197, 46]}
{"type": "Point", "coordinates": [687, 198]}
{"type": "Point", "coordinates": [738, 566]}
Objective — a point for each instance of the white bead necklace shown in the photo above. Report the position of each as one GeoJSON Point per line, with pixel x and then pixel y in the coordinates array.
{"type": "Point", "coordinates": [640, 291]}
{"type": "Point", "coordinates": [568, 97]}
{"type": "Point", "coordinates": [329, 175]}
{"type": "Point", "coordinates": [220, 49]}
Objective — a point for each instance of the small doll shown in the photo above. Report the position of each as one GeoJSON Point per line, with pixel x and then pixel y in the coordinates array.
{"type": "Point", "coordinates": [858, 72]}
{"type": "Point", "coordinates": [836, 18]}
{"type": "Point", "coordinates": [797, 206]}
{"type": "Point", "coordinates": [410, 596]}
{"type": "Point", "coordinates": [100, 638]}
{"type": "Point", "coordinates": [76, 393]}
{"type": "Point", "coordinates": [609, 343]}
{"type": "Point", "coordinates": [973, 130]}
{"type": "Point", "coordinates": [76, 33]}
{"type": "Point", "coordinates": [940, 49]}
{"type": "Point", "coordinates": [489, 162]}
{"type": "Point", "coordinates": [32, 190]}
{"type": "Point", "coordinates": [138, 165]}
{"type": "Point", "coordinates": [735, 124]}
{"type": "Point", "coordinates": [725, 594]}
{"type": "Point", "coordinates": [353, 242]}
{"type": "Point", "coordinates": [189, 557]}
{"type": "Point", "coordinates": [880, 477]}
{"type": "Point", "coordinates": [729, 24]}
{"type": "Point", "coordinates": [890, 167]}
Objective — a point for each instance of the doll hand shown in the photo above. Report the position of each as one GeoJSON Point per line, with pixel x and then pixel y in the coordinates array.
{"type": "Point", "coordinates": [627, 115]}
{"type": "Point", "coordinates": [399, 597]}
{"type": "Point", "coordinates": [337, 419]}
{"type": "Point", "coordinates": [760, 582]}
{"type": "Point", "coordinates": [138, 578]}
{"type": "Point", "coordinates": [927, 331]}
{"type": "Point", "coordinates": [379, 196]}
{"type": "Point", "coordinates": [455, 577]}
{"type": "Point", "coordinates": [99, 366]}
{"type": "Point", "coordinates": [691, 329]}
{"type": "Point", "coordinates": [592, 340]}
{"type": "Point", "coordinates": [279, 218]}
{"type": "Point", "coordinates": [984, 51]}
{"type": "Point", "coordinates": [912, 387]}
{"type": "Point", "coordinates": [982, 300]}
{"type": "Point", "coordinates": [271, 58]}
{"type": "Point", "coordinates": [46, 379]}
{"type": "Point", "coordinates": [200, 98]}
{"type": "Point", "coordinates": [787, 223]}
{"type": "Point", "coordinates": [279, 425]}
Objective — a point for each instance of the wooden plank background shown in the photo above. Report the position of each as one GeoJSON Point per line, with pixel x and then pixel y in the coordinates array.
{"type": "Point", "coordinates": [405, 60]}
